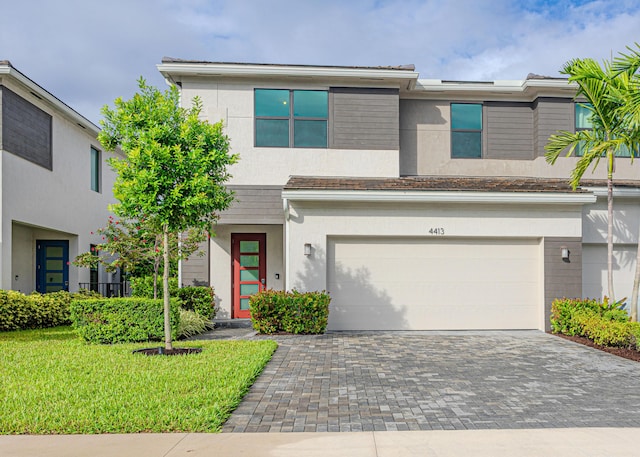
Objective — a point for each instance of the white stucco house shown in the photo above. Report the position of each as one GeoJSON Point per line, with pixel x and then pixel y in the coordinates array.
{"type": "Point", "coordinates": [55, 188]}
{"type": "Point", "coordinates": [417, 204]}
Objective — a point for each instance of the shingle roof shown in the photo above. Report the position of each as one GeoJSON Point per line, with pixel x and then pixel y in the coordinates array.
{"type": "Point", "coordinates": [441, 183]}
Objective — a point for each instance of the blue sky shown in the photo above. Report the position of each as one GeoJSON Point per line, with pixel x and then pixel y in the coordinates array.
{"type": "Point", "coordinates": [89, 52]}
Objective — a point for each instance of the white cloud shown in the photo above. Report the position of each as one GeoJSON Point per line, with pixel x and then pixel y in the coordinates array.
{"type": "Point", "coordinates": [88, 53]}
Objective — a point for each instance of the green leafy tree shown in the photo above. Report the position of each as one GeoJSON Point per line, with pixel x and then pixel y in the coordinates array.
{"type": "Point", "coordinates": [174, 170]}
{"type": "Point", "coordinates": [604, 89]}
{"type": "Point", "coordinates": [136, 248]}
{"type": "Point", "coordinates": [629, 64]}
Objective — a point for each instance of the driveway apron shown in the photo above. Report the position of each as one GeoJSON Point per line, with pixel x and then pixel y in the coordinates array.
{"type": "Point", "coordinates": [385, 381]}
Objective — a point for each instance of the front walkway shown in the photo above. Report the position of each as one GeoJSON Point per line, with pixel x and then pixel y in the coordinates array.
{"type": "Point", "coordinates": [387, 381]}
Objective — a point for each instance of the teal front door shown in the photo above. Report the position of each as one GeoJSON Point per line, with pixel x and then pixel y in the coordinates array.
{"type": "Point", "coordinates": [52, 265]}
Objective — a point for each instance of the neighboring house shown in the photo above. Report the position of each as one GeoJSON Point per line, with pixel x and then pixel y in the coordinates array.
{"type": "Point", "coordinates": [417, 204]}
{"type": "Point", "coordinates": [55, 188]}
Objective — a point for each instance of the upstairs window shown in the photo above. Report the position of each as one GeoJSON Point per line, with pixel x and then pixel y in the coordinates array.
{"type": "Point", "coordinates": [583, 122]}
{"type": "Point", "coordinates": [291, 118]}
{"type": "Point", "coordinates": [466, 130]}
{"type": "Point", "coordinates": [95, 169]}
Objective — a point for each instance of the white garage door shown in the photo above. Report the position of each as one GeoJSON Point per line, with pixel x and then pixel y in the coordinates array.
{"type": "Point", "coordinates": [594, 271]}
{"type": "Point", "coordinates": [433, 284]}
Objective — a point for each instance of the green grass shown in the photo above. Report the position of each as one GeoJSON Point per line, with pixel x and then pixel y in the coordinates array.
{"type": "Point", "coordinates": [52, 382]}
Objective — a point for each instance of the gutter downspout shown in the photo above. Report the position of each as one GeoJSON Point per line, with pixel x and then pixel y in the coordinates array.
{"type": "Point", "coordinates": [285, 207]}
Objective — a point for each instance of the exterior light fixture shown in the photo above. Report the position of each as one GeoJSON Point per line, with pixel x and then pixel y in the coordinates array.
{"type": "Point", "coordinates": [565, 253]}
{"type": "Point", "coordinates": [307, 249]}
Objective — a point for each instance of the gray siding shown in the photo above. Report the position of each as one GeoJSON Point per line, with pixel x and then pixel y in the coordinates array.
{"type": "Point", "coordinates": [255, 205]}
{"type": "Point", "coordinates": [364, 118]}
{"type": "Point", "coordinates": [26, 129]}
{"type": "Point", "coordinates": [195, 270]}
{"type": "Point", "coordinates": [509, 130]}
{"type": "Point", "coordinates": [561, 279]}
{"type": "Point", "coordinates": [550, 116]}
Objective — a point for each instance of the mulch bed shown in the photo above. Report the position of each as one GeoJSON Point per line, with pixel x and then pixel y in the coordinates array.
{"type": "Point", "coordinates": [163, 351]}
{"type": "Point", "coordinates": [620, 352]}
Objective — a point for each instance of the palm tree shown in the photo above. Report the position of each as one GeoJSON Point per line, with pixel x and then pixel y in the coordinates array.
{"type": "Point", "coordinates": [604, 90]}
{"type": "Point", "coordinates": [629, 64]}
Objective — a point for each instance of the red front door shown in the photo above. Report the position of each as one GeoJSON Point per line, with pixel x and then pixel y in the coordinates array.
{"type": "Point", "coordinates": [248, 251]}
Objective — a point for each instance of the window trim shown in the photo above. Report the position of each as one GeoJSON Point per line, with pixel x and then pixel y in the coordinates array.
{"type": "Point", "coordinates": [292, 118]}
{"type": "Point", "coordinates": [95, 169]}
{"type": "Point", "coordinates": [481, 130]}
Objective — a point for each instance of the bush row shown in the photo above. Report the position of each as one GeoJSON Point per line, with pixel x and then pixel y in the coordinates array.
{"type": "Point", "coordinates": [19, 311]}
{"type": "Point", "coordinates": [198, 299]}
{"type": "Point", "coordinates": [123, 320]}
{"type": "Point", "coordinates": [606, 323]}
{"type": "Point", "coordinates": [292, 312]}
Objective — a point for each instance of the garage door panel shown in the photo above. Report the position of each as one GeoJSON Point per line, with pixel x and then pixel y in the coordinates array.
{"type": "Point", "coordinates": [433, 284]}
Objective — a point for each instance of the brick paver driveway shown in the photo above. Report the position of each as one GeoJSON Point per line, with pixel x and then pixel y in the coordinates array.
{"type": "Point", "coordinates": [438, 380]}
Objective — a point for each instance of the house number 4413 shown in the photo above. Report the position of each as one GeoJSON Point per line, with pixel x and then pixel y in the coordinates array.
{"type": "Point", "coordinates": [436, 231]}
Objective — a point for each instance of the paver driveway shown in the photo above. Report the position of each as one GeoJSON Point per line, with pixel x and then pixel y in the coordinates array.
{"type": "Point", "coordinates": [438, 380]}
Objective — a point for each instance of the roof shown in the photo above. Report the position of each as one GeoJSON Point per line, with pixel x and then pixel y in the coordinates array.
{"type": "Point", "coordinates": [8, 70]}
{"type": "Point", "coordinates": [433, 183]}
{"type": "Point", "coordinates": [408, 67]}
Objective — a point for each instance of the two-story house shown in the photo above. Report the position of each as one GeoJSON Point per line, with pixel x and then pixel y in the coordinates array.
{"type": "Point", "coordinates": [55, 188]}
{"type": "Point", "coordinates": [417, 204]}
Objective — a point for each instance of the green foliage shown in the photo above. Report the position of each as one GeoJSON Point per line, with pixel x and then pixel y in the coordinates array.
{"type": "Point", "coordinates": [121, 320]}
{"type": "Point", "coordinates": [606, 323]}
{"type": "Point", "coordinates": [175, 163]}
{"type": "Point", "coordinates": [192, 323]}
{"type": "Point", "coordinates": [292, 312]}
{"type": "Point", "coordinates": [175, 166]}
{"type": "Point", "coordinates": [54, 383]}
{"type": "Point", "coordinates": [198, 299]}
{"type": "Point", "coordinates": [143, 287]}
{"type": "Point", "coordinates": [19, 311]}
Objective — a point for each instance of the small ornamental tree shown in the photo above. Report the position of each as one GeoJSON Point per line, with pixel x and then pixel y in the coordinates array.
{"type": "Point", "coordinates": [135, 247]}
{"type": "Point", "coordinates": [174, 168]}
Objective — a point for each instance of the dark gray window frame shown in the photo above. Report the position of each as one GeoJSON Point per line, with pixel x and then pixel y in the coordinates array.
{"type": "Point", "coordinates": [98, 169]}
{"type": "Point", "coordinates": [291, 118]}
{"type": "Point", "coordinates": [452, 130]}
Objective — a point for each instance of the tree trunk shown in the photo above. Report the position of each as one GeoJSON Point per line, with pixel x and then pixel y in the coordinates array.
{"type": "Point", "coordinates": [165, 289]}
{"type": "Point", "coordinates": [610, 234]}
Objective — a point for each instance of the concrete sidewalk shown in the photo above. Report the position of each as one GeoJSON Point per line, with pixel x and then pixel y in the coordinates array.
{"type": "Point", "coordinates": [586, 442]}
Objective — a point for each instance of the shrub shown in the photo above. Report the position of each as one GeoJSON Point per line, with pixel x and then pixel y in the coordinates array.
{"type": "Point", "coordinates": [120, 320]}
{"type": "Point", "coordinates": [143, 287]}
{"type": "Point", "coordinates": [19, 311]}
{"type": "Point", "coordinates": [198, 299]}
{"type": "Point", "coordinates": [292, 312]}
{"type": "Point", "coordinates": [192, 323]}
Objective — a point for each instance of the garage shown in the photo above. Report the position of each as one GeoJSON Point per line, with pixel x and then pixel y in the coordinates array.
{"type": "Point", "coordinates": [400, 283]}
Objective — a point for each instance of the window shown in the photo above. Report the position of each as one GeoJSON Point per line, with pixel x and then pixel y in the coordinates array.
{"type": "Point", "coordinates": [286, 118]}
{"type": "Point", "coordinates": [583, 122]}
{"type": "Point", "coordinates": [466, 130]}
{"type": "Point", "coordinates": [93, 271]}
{"type": "Point", "coordinates": [95, 169]}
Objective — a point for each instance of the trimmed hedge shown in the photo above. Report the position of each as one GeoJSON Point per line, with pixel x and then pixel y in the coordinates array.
{"type": "Point", "coordinates": [20, 312]}
{"type": "Point", "coordinates": [122, 320]}
{"type": "Point", "coordinates": [292, 312]}
{"type": "Point", "coordinates": [607, 324]}
{"type": "Point", "coordinates": [198, 299]}
{"type": "Point", "coordinates": [143, 287]}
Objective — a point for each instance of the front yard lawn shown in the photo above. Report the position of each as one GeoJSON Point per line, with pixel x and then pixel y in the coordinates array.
{"type": "Point", "coordinates": [52, 382]}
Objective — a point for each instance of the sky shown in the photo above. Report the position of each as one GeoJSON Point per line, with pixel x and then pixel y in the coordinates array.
{"type": "Point", "coordinates": [88, 52]}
